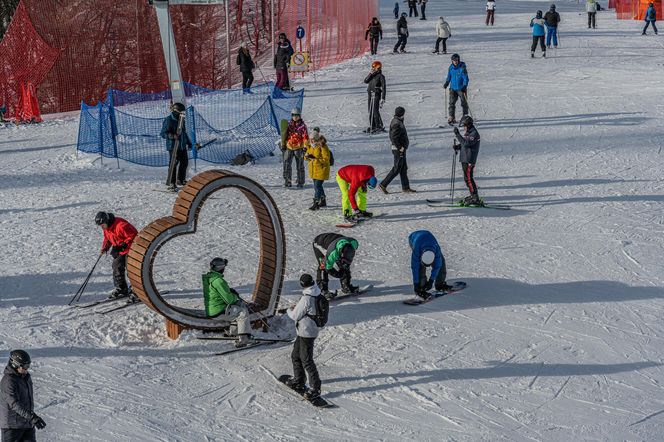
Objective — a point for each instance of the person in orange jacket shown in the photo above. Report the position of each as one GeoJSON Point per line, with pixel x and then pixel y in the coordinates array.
{"type": "Point", "coordinates": [297, 142]}
{"type": "Point", "coordinates": [353, 181]}
{"type": "Point", "coordinates": [118, 236]}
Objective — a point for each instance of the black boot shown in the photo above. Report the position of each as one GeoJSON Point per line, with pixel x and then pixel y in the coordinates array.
{"type": "Point", "coordinates": [322, 202]}
{"type": "Point", "coordinates": [315, 205]}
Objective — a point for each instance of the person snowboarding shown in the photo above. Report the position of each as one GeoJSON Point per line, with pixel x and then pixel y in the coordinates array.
{"type": "Point", "coordinates": [318, 156]}
{"type": "Point", "coordinates": [178, 161]}
{"type": "Point", "coordinates": [17, 416]}
{"type": "Point", "coordinates": [297, 141]}
{"type": "Point", "coordinates": [334, 255]}
{"type": "Point", "coordinates": [119, 234]}
{"type": "Point", "coordinates": [246, 67]}
{"type": "Point", "coordinates": [537, 23]}
{"type": "Point", "coordinates": [402, 34]}
{"type": "Point", "coordinates": [490, 11]}
{"type": "Point", "coordinates": [219, 298]}
{"type": "Point", "coordinates": [552, 19]}
{"type": "Point", "coordinates": [399, 140]}
{"type": "Point", "coordinates": [302, 356]}
{"type": "Point", "coordinates": [469, 145]}
{"type": "Point", "coordinates": [374, 33]}
{"type": "Point", "coordinates": [591, 9]}
{"type": "Point", "coordinates": [423, 7]}
{"type": "Point", "coordinates": [426, 253]}
{"type": "Point", "coordinates": [353, 181]}
{"type": "Point", "coordinates": [457, 79]}
{"type": "Point", "coordinates": [281, 61]}
{"type": "Point", "coordinates": [443, 32]}
{"type": "Point", "coordinates": [376, 91]}
{"type": "Point", "coordinates": [396, 10]}
{"type": "Point", "coordinates": [651, 18]}
{"type": "Point", "coordinates": [412, 8]}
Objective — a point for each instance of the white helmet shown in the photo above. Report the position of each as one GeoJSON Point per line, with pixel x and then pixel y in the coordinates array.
{"type": "Point", "coordinates": [428, 257]}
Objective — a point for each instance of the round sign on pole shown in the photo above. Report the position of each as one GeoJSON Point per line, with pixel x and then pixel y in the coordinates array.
{"type": "Point", "coordinates": [299, 33]}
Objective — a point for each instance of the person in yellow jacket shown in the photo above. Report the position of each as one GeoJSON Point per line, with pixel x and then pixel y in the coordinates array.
{"type": "Point", "coordinates": [318, 156]}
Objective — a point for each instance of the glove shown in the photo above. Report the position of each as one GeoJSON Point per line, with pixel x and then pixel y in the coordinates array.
{"type": "Point", "coordinates": [115, 250]}
{"type": "Point", "coordinates": [103, 252]}
{"type": "Point", "coordinates": [38, 422]}
{"type": "Point", "coordinates": [382, 102]}
{"type": "Point", "coordinates": [428, 286]}
{"type": "Point", "coordinates": [445, 85]}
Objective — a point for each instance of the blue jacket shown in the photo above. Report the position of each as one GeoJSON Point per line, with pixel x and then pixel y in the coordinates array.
{"type": "Point", "coordinates": [457, 76]}
{"type": "Point", "coordinates": [538, 27]}
{"type": "Point", "coordinates": [421, 241]}
{"type": "Point", "coordinates": [651, 14]}
{"type": "Point", "coordinates": [170, 126]}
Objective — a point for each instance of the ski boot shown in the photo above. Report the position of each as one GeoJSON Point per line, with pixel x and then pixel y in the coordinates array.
{"type": "Point", "coordinates": [287, 183]}
{"type": "Point", "coordinates": [322, 202]}
{"type": "Point", "coordinates": [435, 52]}
{"type": "Point", "coordinates": [451, 121]}
{"type": "Point", "coordinates": [300, 185]}
{"type": "Point", "coordinates": [172, 188]}
{"type": "Point", "coordinates": [181, 182]}
{"type": "Point", "coordinates": [118, 294]}
{"type": "Point", "coordinates": [532, 55]}
{"type": "Point", "coordinates": [328, 294]}
{"type": "Point", "coordinates": [297, 386]}
{"type": "Point", "coordinates": [444, 288]}
{"type": "Point", "coordinates": [409, 190]}
{"type": "Point", "coordinates": [382, 187]}
{"type": "Point", "coordinates": [349, 289]}
{"type": "Point", "coordinates": [424, 295]}
{"type": "Point", "coordinates": [311, 394]}
{"type": "Point", "coordinates": [349, 218]}
{"type": "Point", "coordinates": [472, 200]}
{"type": "Point", "coordinates": [544, 54]}
{"type": "Point", "coordinates": [243, 341]}
{"type": "Point", "coordinates": [364, 214]}
{"type": "Point", "coordinates": [132, 299]}
{"type": "Point", "coordinates": [315, 205]}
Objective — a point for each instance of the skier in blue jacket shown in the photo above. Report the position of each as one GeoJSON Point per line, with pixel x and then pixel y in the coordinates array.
{"type": "Point", "coordinates": [537, 24]}
{"type": "Point", "coordinates": [169, 132]}
{"type": "Point", "coordinates": [457, 79]}
{"type": "Point", "coordinates": [651, 17]}
{"type": "Point", "coordinates": [426, 253]}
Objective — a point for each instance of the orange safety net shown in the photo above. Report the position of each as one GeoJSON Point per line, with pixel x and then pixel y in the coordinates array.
{"type": "Point", "coordinates": [76, 50]}
{"type": "Point", "coordinates": [636, 9]}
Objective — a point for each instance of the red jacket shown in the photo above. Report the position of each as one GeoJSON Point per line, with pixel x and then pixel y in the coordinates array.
{"type": "Point", "coordinates": [357, 176]}
{"type": "Point", "coordinates": [119, 232]}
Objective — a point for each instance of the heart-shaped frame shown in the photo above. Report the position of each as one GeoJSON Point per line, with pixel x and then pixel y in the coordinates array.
{"type": "Point", "coordinates": [183, 221]}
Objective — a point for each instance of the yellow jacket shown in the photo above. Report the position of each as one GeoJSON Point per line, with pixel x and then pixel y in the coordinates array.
{"type": "Point", "coordinates": [319, 165]}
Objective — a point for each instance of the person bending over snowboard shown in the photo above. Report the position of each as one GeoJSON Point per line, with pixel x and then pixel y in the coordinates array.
{"type": "Point", "coordinates": [334, 255]}
{"type": "Point", "coordinates": [426, 253]}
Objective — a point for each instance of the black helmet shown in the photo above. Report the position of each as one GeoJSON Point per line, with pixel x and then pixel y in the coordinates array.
{"type": "Point", "coordinates": [553, 7]}
{"type": "Point", "coordinates": [403, 14]}
{"type": "Point", "coordinates": [103, 218]}
{"type": "Point", "coordinates": [178, 107]}
{"type": "Point", "coordinates": [399, 111]}
{"type": "Point", "coordinates": [466, 120]}
{"type": "Point", "coordinates": [306, 280]}
{"type": "Point", "coordinates": [456, 57]}
{"type": "Point", "coordinates": [538, 14]}
{"type": "Point", "coordinates": [218, 264]}
{"type": "Point", "coordinates": [19, 359]}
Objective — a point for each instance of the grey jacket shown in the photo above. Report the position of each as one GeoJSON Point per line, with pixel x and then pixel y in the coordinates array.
{"type": "Point", "coordinates": [306, 327]}
{"type": "Point", "coordinates": [16, 406]}
{"type": "Point", "coordinates": [470, 146]}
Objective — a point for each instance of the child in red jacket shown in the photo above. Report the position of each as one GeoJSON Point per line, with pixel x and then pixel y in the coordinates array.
{"type": "Point", "coordinates": [118, 236]}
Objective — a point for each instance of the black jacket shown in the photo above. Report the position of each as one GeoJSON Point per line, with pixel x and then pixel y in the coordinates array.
{"type": "Point", "coordinates": [17, 405]}
{"type": "Point", "coordinates": [470, 146]}
{"type": "Point", "coordinates": [374, 30]}
{"type": "Point", "coordinates": [245, 61]}
{"type": "Point", "coordinates": [398, 133]}
{"type": "Point", "coordinates": [282, 55]}
{"type": "Point", "coordinates": [552, 18]}
{"type": "Point", "coordinates": [402, 27]}
{"type": "Point", "coordinates": [376, 83]}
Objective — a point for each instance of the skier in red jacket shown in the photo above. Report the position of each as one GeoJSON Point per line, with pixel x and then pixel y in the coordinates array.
{"type": "Point", "coordinates": [353, 181]}
{"type": "Point", "coordinates": [118, 236]}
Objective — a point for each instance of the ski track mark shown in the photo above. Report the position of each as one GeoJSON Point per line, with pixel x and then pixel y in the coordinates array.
{"type": "Point", "coordinates": [549, 317]}
{"type": "Point", "coordinates": [646, 418]}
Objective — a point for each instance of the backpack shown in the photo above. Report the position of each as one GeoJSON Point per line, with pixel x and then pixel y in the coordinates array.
{"type": "Point", "coordinates": [243, 158]}
{"type": "Point", "coordinates": [322, 311]}
{"type": "Point", "coordinates": [331, 157]}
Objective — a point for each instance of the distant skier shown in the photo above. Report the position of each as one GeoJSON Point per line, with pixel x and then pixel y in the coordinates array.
{"type": "Point", "coordinates": [119, 234]}
{"type": "Point", "coordinates": [281, 61]}
{"type": "Point", "coordinates": [297, 141]}
{"type": "Point", "coordinates": [402, 34]}
{"type": "Point", "coordinates": [374, 33]}
{"type": "Point", "coordinates": [591, 9]}
{"type": "Point", "coordinates": [376, 90]}
{"type": "Point", "coordinates": [400, 142]}
{"type": "Point", "coordinates": [490, 11]}
{"type": "Point", "coordinates": [537, 24]}
{"type": "Point", "coordinates": [651, 18]}
{"type": "Point", "coordinates": [302, 355]}
{"type": "Point", "coordinates": [17, 416]}
{"type": "Point", "coordinates": [412, 8]}
{"type": "Point", "coordinates": [426, 253]}
{"type": "Point", "coordinates": [552, 19]}
{"type": "Point", "coordinates": [470, 148]}
{"type": "Point", "coordinates": [334, 255]}
{"type": "Point", "coordinates": [219, 299]}
{"type": "Point", "coordinates": [443, 32]}
{"type": "Point", "coordinates": [246, 67]}
{"type": "Point", "coordinates": [396, 10]}
{"type": "Point", "coordinates": [423, 7]}
{"type": "Point", "coordinates": [353, 181]}
{"type": "Point", "coordinates": [169, 130]}
{"type": "Point", "coordinates": [318, 156]}
{"type": "Point", "coordinates": [457, 79]}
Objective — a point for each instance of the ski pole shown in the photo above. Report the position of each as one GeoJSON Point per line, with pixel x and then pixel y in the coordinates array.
{"type": "Point", "coordinates": [454, 158]}
{"type": "Point", "coordinates": [371, 111]}
{"type": "Point", "coordinates": [81, 289]}
{"type": "Point", "coordinates": [447, 106]}
{"type": "Point", "coordinates": [261, 71]}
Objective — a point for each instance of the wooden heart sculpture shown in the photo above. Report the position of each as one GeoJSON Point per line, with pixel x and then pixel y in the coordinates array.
{"type": "Point", "coordinates": [183, 221]}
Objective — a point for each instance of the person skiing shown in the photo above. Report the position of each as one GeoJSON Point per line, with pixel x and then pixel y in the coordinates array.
{"type": "Point", "coordinates": [426, 253]}
{"type": "Point", "coordinates": [423, 7]}
{"type": "Point", "coordinates": [443, 32]}
{"type": "Point", "coordinates": [412, 8]}
{"type": "Point", "coordinates": [457, 79]}
{"type": "Point", "coordinates": [246, 66]}
{"type": "Point", "coordinates": [297, 141]}
{"type": "Point", "coordinates": [318, 156]}
{"type": "Point", "coordinates": [334, 255]}
{"type": "Point", "coordinates": [402, 34]}
{"type": "Point", "coordinates": [537, 23]}
{"type": "Point", "coordinates": [281, 61]}
{"type": "Point", "coordinates": [17, 416]}
{"type": "Point", "coordinates": [396, 10]}
{"type": "Point", "coordinates": [470, 148]}
{"type": "Point", "coordinates": [591, 9]}
{"type": "Point", "coordinates": [119, 234]}
{"type": "Point", "coordinates": [353, 181]}
{"type": "Point", "coordinates": [177, 164]}
{"type": "Point", "coordinates": [219, 298]}
{"type": "Point", "coordinates": [552, 19]}
{"type": "Point", "coordinates": [375, 31]}
{"type": "Point", "coordinates": [376, 91]}
{"type": "Point", "coordinates": [302, 355]}
{"type": "Point", "coordinates": [651, 18]}
{"type": "Point", "coordinates": [490, 11]}
{"type": "Point", "coordinates": [399, 140]}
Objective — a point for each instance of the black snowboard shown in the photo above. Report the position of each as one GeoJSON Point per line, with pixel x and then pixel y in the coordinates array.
{"type": "Point", "coordinates": [319, 402]}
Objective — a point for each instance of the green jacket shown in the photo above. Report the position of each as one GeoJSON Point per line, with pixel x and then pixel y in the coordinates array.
{"type": "Point", "coordinates": [217, 294]}
{"type": "Point", "coordinates": [335, 254]}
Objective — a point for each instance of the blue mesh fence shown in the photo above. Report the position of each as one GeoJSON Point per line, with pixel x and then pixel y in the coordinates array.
{"type": "Point", "coordinates": [225, 123]}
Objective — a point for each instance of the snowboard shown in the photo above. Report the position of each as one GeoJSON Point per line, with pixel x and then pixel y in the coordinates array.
{"type": "Point", "coordinates": [349, 225]}
{"type": "Point", "coordinates": [457, 286]}
{"type": "Point", "coordinates": [360, 291]}
{"type": "Point", "coordinates": [319, 402]}
{"type": "Point", "coordinates": [283, 129]}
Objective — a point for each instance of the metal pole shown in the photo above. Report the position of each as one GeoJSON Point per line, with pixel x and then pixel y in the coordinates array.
{"type": "Point", "coordinates": [272, 27]}
{"type": "Point", "coordinates": [228, 46]}
{"type": "Point", "coordinates": [170, 51]}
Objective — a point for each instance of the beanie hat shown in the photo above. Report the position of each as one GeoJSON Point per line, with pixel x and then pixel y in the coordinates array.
{"type": "Point", "coordinates": [306, 280]}
{"type": "Point", "coordinates": [399, 111]}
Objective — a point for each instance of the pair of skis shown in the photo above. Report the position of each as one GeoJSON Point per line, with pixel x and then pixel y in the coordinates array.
{"type": "Point", "coordinates": [460, 204]}
{"type": "Point", "coordinates": [108, 301]}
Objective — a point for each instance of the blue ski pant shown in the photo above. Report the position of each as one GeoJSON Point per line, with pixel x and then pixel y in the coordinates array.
{"type": "Point", "coordinates": [551, 33]}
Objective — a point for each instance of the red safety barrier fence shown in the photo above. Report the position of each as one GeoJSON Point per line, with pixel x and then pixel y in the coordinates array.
{"type": "Point", "coordinates": [635, 9]}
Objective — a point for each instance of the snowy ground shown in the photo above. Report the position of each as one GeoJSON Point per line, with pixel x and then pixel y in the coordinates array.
{"type": "Point", "coordinates": [558, 337]}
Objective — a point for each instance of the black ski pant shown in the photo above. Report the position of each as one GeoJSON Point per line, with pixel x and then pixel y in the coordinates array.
{"type": "Point", "coordinates": [373, 43]}
{"type": "Point", "coordinates": [180, 167]}
{"type": "Point", "coordinates": [119, 268]}
{"type": "Point", "coordinates": [412, 9]}
{"type": "Point", "coordinates": [591, 19]}
{"type": "Point", "coordinates": [247, 79]}
{"type": "Point", "coordinates": [489, 17]}
{"type": "Point", "coordinates": [654, 28]}
{"type": "Point", "coordinates": [439, 283]}
{"type": "Point", "coordinates": [444, 40]}
{"type": "Point", "coordinates": [454, 96]}
{"type": "Point", "coordinates": [375, 120]}
{"type": "Point", "coordinates": [18, 435]}
{"type": "Point", "coordinates": [401, 43]}
{"type": "Point", "coordinates": [400, 168]}
{"type": "Point", "coordinates": [322, 275]}
{"type": "Point", "coordinates": [536, 39]}
{"type": "Point", "coordinates": [423, 7]}
{"type": "Point", "coordinates": [468, 169]}
{"type": "Point", "coordinates": [298, 154]}
{"type": "Point", "coordinates": [303, 361]}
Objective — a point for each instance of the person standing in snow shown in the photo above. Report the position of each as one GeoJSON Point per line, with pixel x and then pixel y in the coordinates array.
{"type": "Point", "coordinates": [426, 253]}
{"type": "Point", "coordinates": [396, 10]}
{"type": "Point", "coordinates": [412, 8]}
{"type": "Point", "coordinates": [334, 255]}
{"type": "Point", "coordinates": [400, 142]}
{"type": "Point", "coordinates": [17, 417]}
{"type": "Point", "coordinates": [402, 34]}
{"type": "Point", "coordinates": [552, 19]}
{"type": "Point", "coordinates": [297, 141]}
{"type": "Point", "coordinates": [246, 67]}
{"type": "Point", "coordinates": [490, 11]}
{"type": "Point", "coordinates": [443, 32]}
{"type": "Point", "coordinates": [177, 164]}
{"type": "Point", "coordinates": [591, 9]}
{"type": "Point", "coordinates": [318, 156]}
{"type": "Point", "coordinates": [469, 145]}
{"type": "Point", "coordinates": [281, 61]}
{"type": "Point", "coordinates": [537, 23]}
{"type": "Point", "coordinates": [376, 90]}
{"type": "Point", "coordinates": [353, 181]}
{"type": "Point", "coordinates": [374, 33]}
{"type": "Point", "coordinates": [119, 234]}
{"type": "Point", "coordinates": [423, 7]}
{"type": "Point", "coordinates": [651, 18]}
{"type": "Point", "coordinates": [457, 79]}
